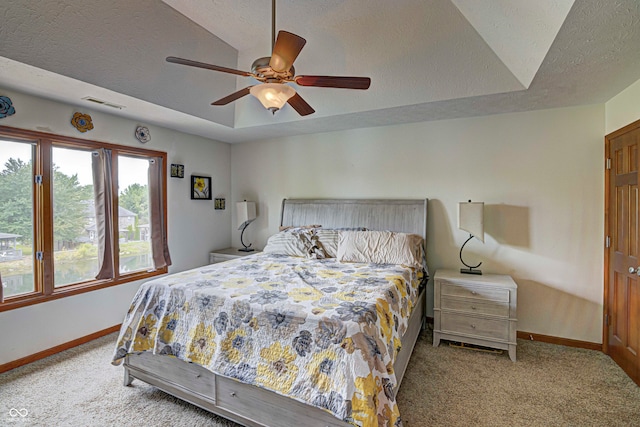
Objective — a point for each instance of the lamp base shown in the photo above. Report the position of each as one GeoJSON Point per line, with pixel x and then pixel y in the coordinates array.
{"type": "Point", "coordinates": [471, 271]}
{"type": "Point", "coordinates": [246, 250]}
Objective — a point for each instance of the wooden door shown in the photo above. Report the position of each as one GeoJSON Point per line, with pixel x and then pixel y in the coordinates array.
{"type": "Point", "coordinates": [622, 259]}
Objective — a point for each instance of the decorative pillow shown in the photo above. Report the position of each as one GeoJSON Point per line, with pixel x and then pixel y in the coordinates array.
{"type": "Point", "coordinates": [300, 242]}
{"type": "Point", "coordinates": [381, 247]}
{"type": "Point", "coordinates": [328, 239]}
{"type": "Point", "coordinates": [286, 243]}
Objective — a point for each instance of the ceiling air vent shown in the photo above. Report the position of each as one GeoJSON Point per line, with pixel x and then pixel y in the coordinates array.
{"type": "Point", "coordinates": [101, 102]}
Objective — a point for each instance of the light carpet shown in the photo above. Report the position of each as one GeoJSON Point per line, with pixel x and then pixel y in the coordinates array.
{"type": "Point", "coordinates": [549, 385]}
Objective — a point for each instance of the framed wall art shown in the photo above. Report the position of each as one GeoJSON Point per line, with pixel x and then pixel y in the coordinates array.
{"type": "Point", "coordinates": [177, 171]}
{"type": "Point", "coordinates": [200, 187]}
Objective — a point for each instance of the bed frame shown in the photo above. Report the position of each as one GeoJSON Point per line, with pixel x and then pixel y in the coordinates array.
{"type": "Point", "coordinates": [254, 406]}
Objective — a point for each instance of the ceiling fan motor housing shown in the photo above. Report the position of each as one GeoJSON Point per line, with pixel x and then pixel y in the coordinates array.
{"type": "Point", "coordinates": [261, 68]}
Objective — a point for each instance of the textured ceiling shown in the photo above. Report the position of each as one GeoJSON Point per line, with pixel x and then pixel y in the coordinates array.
{"type": "Point", "coordinates": [428, 59]}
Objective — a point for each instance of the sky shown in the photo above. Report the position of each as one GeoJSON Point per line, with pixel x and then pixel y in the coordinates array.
{"type": "Point", "coordinates": [69, 162]}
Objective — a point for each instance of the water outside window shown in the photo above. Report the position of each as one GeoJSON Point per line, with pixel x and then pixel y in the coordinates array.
{"type": "Point", "coordinates": [16, 217]}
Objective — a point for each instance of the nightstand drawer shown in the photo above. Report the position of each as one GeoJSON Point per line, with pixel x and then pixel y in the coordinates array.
{"type": "Point", "coordinates": [479, 327]}
{"type": "Point", "coordinates": [456, 290]}
{"type": "Point", "coordinates": [475, 306]}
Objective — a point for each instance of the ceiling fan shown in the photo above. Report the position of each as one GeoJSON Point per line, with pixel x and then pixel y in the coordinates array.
{"type": "Point", "coordinates": [273, 72]}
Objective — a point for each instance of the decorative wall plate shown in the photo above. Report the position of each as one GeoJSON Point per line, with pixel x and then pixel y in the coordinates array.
{"type": "Point", "coordinates": [6, 107]}
{"type": "Point", "coordinates": [142, 134]}
{"type": "Point", "coordinates": [82, 122]}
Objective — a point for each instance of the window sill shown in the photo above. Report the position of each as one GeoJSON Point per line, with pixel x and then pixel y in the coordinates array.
{"type": "Point", "coordinates": [33, 298]}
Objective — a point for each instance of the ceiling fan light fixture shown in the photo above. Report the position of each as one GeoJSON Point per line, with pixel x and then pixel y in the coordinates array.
{"type": "Point", "coordinates": [273, 96]}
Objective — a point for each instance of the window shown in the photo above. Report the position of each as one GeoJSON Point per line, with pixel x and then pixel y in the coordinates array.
{"type": "Point", "coordinates": [16, 217]}
{"type": "Point", "coordinates": [77, 215]}
{"type": "Point", "coordinates": [133, 214]}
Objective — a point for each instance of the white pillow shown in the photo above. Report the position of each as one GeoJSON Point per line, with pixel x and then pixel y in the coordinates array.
{"type": "Point", "coordinates": [381, 247]}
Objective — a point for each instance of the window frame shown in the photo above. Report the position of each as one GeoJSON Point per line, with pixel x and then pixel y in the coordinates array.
{"type": "Point", "coordinates": [43, 216]}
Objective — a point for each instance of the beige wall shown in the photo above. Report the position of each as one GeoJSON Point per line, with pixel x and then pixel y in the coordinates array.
{"type": "Point", "coordinates": [195, 228]}
{"type": "Point", "coordinates": [623, 108]}
{"type": "Point", "coordinates": [539, 173]}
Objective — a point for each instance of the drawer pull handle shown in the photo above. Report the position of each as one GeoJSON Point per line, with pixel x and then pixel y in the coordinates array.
{"type": "Point", "coordinates": [473, 326]}
{"type": "Point", "coordinates": [473, 307]}
{"type": "Point", "coordinates": [198, 376]}
{"type": "Point", "coordinates": [232, 394]}
{"type": "Point", "coordinates": [474, 293]}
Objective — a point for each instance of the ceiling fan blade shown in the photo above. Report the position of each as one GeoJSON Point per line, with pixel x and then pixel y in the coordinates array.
{"type": "Point", "coordinates": [300, 105]}
{"type": "Point", "coordinates": [334, 81]}
{"type": "Point", "coordinates": [206, 66]}
{"type": "Point", "coordinates": [235, 95]}
{"type": "Point", "coordinates": [285, 51]}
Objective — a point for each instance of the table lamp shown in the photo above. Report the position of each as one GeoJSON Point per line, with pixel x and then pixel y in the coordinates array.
{"type": "Point", "coordinates": [246, 214]}
{"type": "Point", "coordinates": [471, 220]}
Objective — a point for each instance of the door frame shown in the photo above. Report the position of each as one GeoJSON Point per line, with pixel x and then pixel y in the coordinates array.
{"type": "Point", "coordinates": [608, 226]}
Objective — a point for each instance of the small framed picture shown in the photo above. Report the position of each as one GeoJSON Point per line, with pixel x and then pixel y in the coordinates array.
{"type": "Point", "coordinates": [200, 187]}
{"type": "Point", "coordinates": [177, 171]}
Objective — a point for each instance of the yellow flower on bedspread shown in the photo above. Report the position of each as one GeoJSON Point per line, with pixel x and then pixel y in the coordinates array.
{"type": "Point", "coordinates": [145, 334]}
{"type": "Point", "coordinates": [277, 370]}
{"type": "Point", "coordinates": [399, 283]}
{"type": "Point", "coordinates": [330, 274]}
{"type": "Point", "coordinates": [202, 344]}
{"type": "Point", "coordinates": [270, 286]}
{"type": "Point", "coordinates": [365, 401]}
{"type": "Point", "coordinates": [305, 294]}
{"type": "Point", "coordinates": [397, 346]}
{"type": "Point", "coordinates": [237, 283]}
{"type": "Point", "coordinates": [386, 318]}
{"type": "Point", "coordinates": [346, 296]}
{"type": "Point", "coordinates": [273, 266]}
{"type": "Point", "coordinates": [363, 274]}
{"type": "Point", "coordinates": [348, 345]}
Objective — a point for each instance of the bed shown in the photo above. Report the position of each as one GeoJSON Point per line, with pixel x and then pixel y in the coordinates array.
{"type": "Point", "coordinates": [280, 340]}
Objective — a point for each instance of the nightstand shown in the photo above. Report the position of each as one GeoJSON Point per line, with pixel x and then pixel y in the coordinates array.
{"type": "Point", "coordinates": [478, 310]}
{"type": "Point", "coordinates": [227, 254]}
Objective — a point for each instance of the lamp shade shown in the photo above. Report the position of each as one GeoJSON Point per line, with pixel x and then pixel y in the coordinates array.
{"type": "Point", "coordinates": [272, 95]}
{"type": "Point", "coordinates": [246, 212]}
{"type": "Point", "coordinates": [471, 218]}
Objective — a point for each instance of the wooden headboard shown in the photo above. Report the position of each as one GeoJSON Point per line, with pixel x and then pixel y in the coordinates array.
{"type": "Point", "coordinates": [406, 216]}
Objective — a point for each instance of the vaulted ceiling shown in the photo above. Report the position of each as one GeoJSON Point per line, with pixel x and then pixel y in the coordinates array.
{"type": "Point", "coordinates": [427, 59]}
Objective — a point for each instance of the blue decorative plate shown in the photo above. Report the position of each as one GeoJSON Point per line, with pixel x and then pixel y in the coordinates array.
{"type": "Point", "coordinates": [6, 108]}
{"type": "Point", "coordinates": [142, 134]}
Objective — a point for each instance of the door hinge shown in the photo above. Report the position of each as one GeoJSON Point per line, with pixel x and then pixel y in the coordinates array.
{"type": "Point", "coordinates": [39, 256]}
{"type": "Point", "coordinates": [38, 179]}
{"type": "Point", "coordinates": [608, 166]}
{"type": "Point", "coordinates": [606, 319]}
{"type": "Point", "coordinates": [607, 242]}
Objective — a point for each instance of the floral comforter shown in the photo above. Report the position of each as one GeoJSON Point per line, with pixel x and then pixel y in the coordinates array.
{"type": "Point", "coordinates": [319, 331]}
